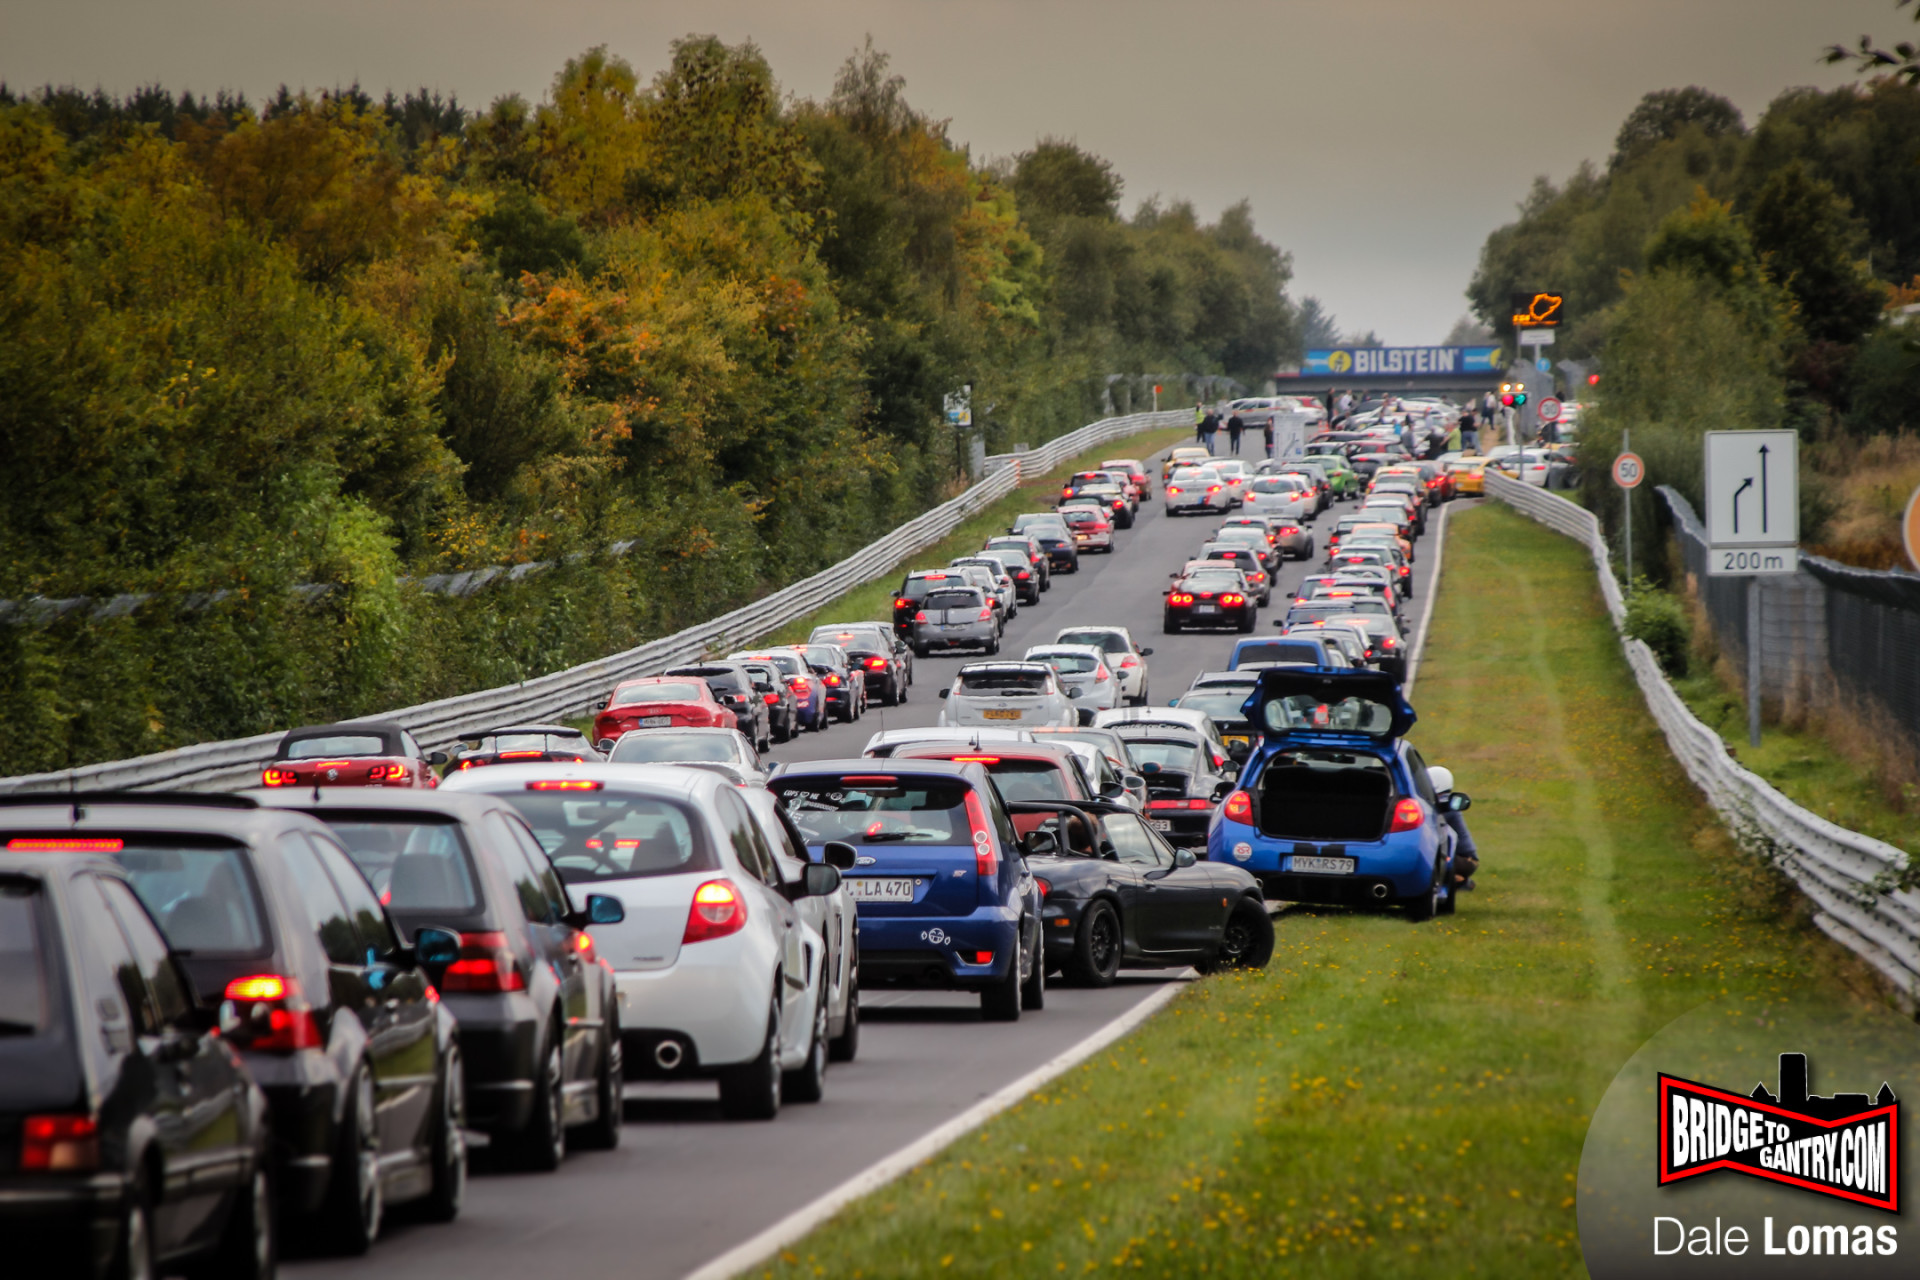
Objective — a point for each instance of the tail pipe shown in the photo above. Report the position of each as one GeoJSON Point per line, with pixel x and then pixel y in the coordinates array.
{"type": "Point", "coordinates": [1379, 890]}
{"type": "Point", "coordinates": [667, 1054]}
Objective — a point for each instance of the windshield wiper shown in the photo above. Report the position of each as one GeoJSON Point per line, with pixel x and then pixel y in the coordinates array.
{"type": "Point", "coordinates": [877, 837]}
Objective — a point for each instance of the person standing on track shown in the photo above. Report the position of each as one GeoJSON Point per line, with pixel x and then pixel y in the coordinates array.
{"type": "Point", "coordinates": [1267, 432]}
{"type": "Point", "coordinates": [1199, 417]}
{"type": "Point", "coordinates": [1209, 428]}
{"type": "Point", "coordinates": [1235, 428]}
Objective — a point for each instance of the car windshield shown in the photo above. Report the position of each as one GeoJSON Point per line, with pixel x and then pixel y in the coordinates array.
{"type": "Point", "coordinates": [26, 1002]}
{"type": "Point", "coordinates": [1069, 664]}
{"type": "Point", "coordinates": [995, 683]}
{"type": "Point", "coordinates": [201, 893]}
{"type": "Point", "coordinates": [414, 864]}
{"type": "Point", "coordinates": [614, 835]}
{"type": "Point", "coordinates": [1166, 753]}
{"type": "Point", "coordinates": [905, 810]}
{"type": "Point", "coordinates": [1222, 703]}
{"type": "Point", "coordinates": [1021, 781]}
{"type": "Point", "coordinates": [347, 745]}
{"type": "Point", "coordinates": [628, 695]}
{"type": "Point", "coordinates": [663, 746]}
{"type": "Point", "coordinates": [1105, 641]}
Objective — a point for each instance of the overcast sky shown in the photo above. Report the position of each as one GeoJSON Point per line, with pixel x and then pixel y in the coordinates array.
{"type": "Point", "coordinates": [1379, 140]}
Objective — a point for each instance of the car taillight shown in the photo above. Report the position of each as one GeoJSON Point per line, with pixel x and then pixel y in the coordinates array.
{"type": "Point", "coordinates": [986, 613]}
{"type": "Point", "coordinates": [771, 699]}
{"type": "Point", "coordinates": [1129, 662]}
{"type": "Point", "coordinates": [1180, 597]}
{"type": "Point", "coordinates": [1046, 887]}
{"type": "Point", "coordinates": [986, 862]}
{"type": "Point", "coordinates": [59, 1144]}
{"type": "Point", "coordinates": [799, 683]}
{"type": "Point", "coordinates": [1213, 488]}
{"type": "Point", "coordinates": [1172, 489]}
{"type": "Point", "coordinates": [830, 680]}
{"type": "Point", "coordinates": [1232, 597]}
{"type": "Point", "coordinates": [1193, 803]}
{"type": "Point", "coordinates": [1239, 807]}
{"type": "Point", "coordinates": [1388, 642]}
{"type": "Point", "coordinates": [394, 772]}
{"type": "Point", "coordinates": [876, 664]}
{"type": "Point", "coordinates": [273, 1018]}
{"type": "Point", "coordinates": [903, 603]}
{"type": "Point", "coordinates": [1291, 531]}
{"type": "Point", "coordinates": [1407, 815]}
{"type": "Point", "coordinates": [718, 909]}
{"type": "Point", "coordinates": [279, 778]}
{"type": "Point", "coordinates": [1022, 574]}
{"type": "Point", "coordinates": [565, 784]}
{"type": "Point", "coordinates": [65, 844]}
{"type": "Point", "coordinates": [485, 963]}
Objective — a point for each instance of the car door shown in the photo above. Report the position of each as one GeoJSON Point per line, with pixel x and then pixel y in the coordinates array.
{"type": "Point", "coordinates": [558, 974]}
{"type": "Point", "coordinates": [201, 1130]}
{"type": "Point", "coordinates": [824, 915]}
{"type": "Point", "coordinates": [398, 1016]}
{"type": "Point", "coordinates": [796, 965]}
{"type": "Point", "coordinates": [1194, 899]}
{"type": "Point", "coordinates": [580, 993]}
{"type": "Point", "coordinates": [1147, 911]}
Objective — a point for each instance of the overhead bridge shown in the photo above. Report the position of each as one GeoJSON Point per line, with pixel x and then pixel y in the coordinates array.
{"type": "Point", "coordinates": [1403, 370]}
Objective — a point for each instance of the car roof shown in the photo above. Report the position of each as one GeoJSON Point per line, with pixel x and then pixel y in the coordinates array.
{"type": "Point", "coordinates": [1079, 650]}
{"type": "Point", "coordinates": [943, 733]}
{"type": "Point", "coordinates": [241, 818]}
{"type": "Point", "coordinates": [449, 803]}
{"type": "Point", "coordinates": [563, 729]}
{"type": "Point", "coordinates": [867, 765]}
{"type": "Point", "coordinates": [1127, 717]}
{"type": "Point", "coordinates": [383, 727]}
{"type": "Point", "coordinates": [694, 785]}
{"type": "Point", "coordinates": [1057, 753]}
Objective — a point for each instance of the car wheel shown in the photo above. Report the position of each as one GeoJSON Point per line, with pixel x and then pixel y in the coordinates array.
{"type": "Point", "coordinates": [890, 697]}
{"type": "Point", "coordinates": [1424, 907]}
{"type": "Point", "coordinates": [1033, 992]}
{"type": "Point", "coordinates": [751, 1091]}
{"type": "Point", "coordinates": [1096, 948]}
{"type": "Point", "coordinates": [1448, 903]}
{"type": "Point", "coordinates": [1246, 623]}
{"type": "Point", "coordinates": [1247, 941]}
{"type": "Point", "coordinates": [447, 1191]}
{"type": "Point", "coordinates": [349, 1220]}
{"type": "Point", "coordinates": [993, 646]}
{"type": "Point", "coordinates": [543, 1144]}
{"type": "Point", "coordinates": [609, 1094]}
{"type": "Point", "coordinates": [901, 695]}
{"type": "Point", "coordinates": [843, 1047]}
{"type": "Point", "coordinates": [1001, 1001]}
{"type": "Point", "coordinates": [134, 1259]}
{"type": "Point", "coordinates": [1169, 626]}
{"type": "Point", "coordinates": [808, 1083]}
{"type": "Point", "coordinates": [921, 650]}
{"type": "Point", "coordinates": [248, 1247]}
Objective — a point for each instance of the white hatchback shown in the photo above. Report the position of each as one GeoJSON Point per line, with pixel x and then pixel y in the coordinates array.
{"type": "Point", "coordinates": [1008, 695]}
{"type": "Point", "coordinates": [1082, 667]}
{"type": "Point", "coordinates": [716, 970]}
{"type": "Point", "coordinates": [1127, 660]}
{"type": "Point", "coordinates": [1290, 497]}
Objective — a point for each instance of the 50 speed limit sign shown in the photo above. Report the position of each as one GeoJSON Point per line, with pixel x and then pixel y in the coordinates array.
{"type": "Point", "coordinates": [1628, 470]}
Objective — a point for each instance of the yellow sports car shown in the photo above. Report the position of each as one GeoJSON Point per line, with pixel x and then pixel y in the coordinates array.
{"type": "Point", "coordinates": [1185, 455]}
{"type": "Point", "coordinates": [1469, 473]}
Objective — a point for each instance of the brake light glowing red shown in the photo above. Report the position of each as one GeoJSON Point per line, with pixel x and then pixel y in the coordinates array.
{"type": "Point", "coordinates": [565, 784]}
{"type": "Point", "coordinates": [279, 778]}
{"type": "Point", "coordinates": [1239, 807]}
{"type": "Point", "coordinates": [1407, 815]}
{"type": "Point", "coordinates": [64, 844]}
{"type": "Point", "coordinates": [876, 664]}
{"type": "Point", "coordinates": [260, 986]}
{"type": "Point", "coordinates": [986, 613]}
{"type": "Point", "coordinates": [59, 1144]}
{"type": "Point", "coordinates": [986, 860]}
{"type": "Point", "coordinates": [1180, 597]}
{"type": "Point", "coordinates": [289, 1024]}
{"type": "Point", "coordinates": [1193, 803]}
{"type": "Point", "coordinates": [976, 759]}
{"type": "Point", "coordinates": [903, 603]}
{"type": "Point", "coordinates": [1232, 597]}
{"type": "Point", "coordinates": [830, 680]}
{"type": "Point", "coordinates": [485, 963]}
{"type": "Point", "coordinates": [718, 910]}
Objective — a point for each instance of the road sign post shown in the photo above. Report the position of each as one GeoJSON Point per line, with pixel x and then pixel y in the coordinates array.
{"type": "Point", "coordinates": [1753, 525]}
{"type": "Point", "coordinates": [1628, 472]}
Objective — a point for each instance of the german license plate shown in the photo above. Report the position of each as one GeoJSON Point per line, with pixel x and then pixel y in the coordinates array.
{"type": "Point", "coordinates": [880, 888]}
{"type": "Point", "coordinates": [1322, 866]}
{"type": "Point", "coordinates": [998, 714]}
{"type": "Point", "coordinates": [1160, 824]}
{"type": "Point", "coordinates": [1206, 608]}
{"type": "Point", "coordinates": [654, 722]}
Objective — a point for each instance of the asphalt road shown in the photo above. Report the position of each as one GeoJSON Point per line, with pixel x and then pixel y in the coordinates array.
{"type": "Point", "coordinates": [686, 1185]}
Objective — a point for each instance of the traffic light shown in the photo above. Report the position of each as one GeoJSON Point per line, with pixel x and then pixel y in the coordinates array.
{"type": "Point", "coordinates": [1593, 379]}
{"type": "Point", "coordinates": [1513, 394]}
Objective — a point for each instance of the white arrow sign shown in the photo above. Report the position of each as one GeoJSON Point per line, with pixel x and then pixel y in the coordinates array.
{"type": "Point", "coordinates": [1753, 488]}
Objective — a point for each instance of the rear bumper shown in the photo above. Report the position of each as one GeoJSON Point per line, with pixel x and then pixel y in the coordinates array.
{"type": "Point", "coordinates": [498, 1035]}
{"type": "Point", "coordinates": [1186, 826]}
{"type": "Point", "coordinates": [1400, 866]}
{"type": "Point", "coordinates": [966, 637]}
{"type": "Point", "coordinates": [937, 952]}
{"type": "Point", "coordinates": [303, 1108]}
{"type": "Point", "coordinates": [713, 1004]}
{"type": "Point", "coordinates": [55, 1226]}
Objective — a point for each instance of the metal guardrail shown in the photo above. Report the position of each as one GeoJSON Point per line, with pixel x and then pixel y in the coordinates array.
{"type": "Point", "coordinates": [214, 766]}
{"type": "Point", "coordinates": [1852, 879]}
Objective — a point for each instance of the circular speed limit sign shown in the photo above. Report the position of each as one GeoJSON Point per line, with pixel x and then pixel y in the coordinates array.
{"type": "Point", "coordinates": [1549, 410]}
{"type": "Point", "coordinates": [1628, 470]}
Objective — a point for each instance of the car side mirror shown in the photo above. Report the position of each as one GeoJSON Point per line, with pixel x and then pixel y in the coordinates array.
{"type": "Point", "coordinates": [1133, 782]}
{"type": "Point", "coordinates": [1182, 858]}
{"type": "Point", "coordinates": [1222, 790]}
{"type": "Point", "coordinates": [436, 758]}
{"type": "Point", "coordinates": [838, 853]}
{"type": "Point", "coordinates": [945, 692]}
{"type": "Point", "coordinates": [1040, 843]}
{"type": "Point", "coordinates": [819, 880]}
{"type": "Point", "coordinates": [604, 908]}
{"type": "Point", "coordinates": [1073, 691]}
{"type": "Point", "coordinates": [1459, 801]}
{"type": "Point", "coordinates": [435, 947]}
{"type": "Point", "coordinates": [1173, 702]}
{"type": "Point", "coordinates": [1146, 653]}
{"type": "Point", "coordinates": [604, 745]}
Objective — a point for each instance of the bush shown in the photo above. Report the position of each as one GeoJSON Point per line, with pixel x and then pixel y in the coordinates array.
{"type": "Point", "coordinates": [1656, 618]}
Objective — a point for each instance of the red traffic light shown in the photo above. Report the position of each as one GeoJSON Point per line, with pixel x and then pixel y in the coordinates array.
{"type": "Point", "coordinates": [1507, 399]}
{"type": "Point", "coordinates": [1593, 379]}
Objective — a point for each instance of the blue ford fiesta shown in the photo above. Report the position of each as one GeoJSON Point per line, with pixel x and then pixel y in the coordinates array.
{"type": "Point", "coordinates": [1334, 806]}
{"type": "Point", "coordinates": [945, 897]}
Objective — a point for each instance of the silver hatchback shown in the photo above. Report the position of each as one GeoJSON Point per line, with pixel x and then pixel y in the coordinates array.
{"type": "Point", "coordinates": [956, 618]}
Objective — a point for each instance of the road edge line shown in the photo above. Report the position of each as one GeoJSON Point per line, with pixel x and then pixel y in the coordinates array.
{"type": "Point", "coordinates": [1426, 610]}
{"type": "Point", "coordinates": [804, 1219]}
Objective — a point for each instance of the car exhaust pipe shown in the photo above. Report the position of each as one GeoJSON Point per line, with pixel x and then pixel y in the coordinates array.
{"type": "Point", "coordinates": [1379, 890]}
{"type": "Point", "coordinates": [667, 1054]}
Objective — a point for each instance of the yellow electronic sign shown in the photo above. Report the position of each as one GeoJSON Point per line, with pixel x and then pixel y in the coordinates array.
{"type": "Point", "coordinates": [1536, 310]}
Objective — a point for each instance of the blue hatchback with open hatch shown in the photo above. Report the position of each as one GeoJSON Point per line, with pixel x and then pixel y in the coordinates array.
{"type": "Point", "coordinates": [1334, 806]}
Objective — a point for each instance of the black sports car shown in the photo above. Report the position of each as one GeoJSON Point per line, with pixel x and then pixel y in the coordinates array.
{"type": "Point", "coordinates": [1114, 892]}
{"type": "Point", "coordinates": [1209, 594]}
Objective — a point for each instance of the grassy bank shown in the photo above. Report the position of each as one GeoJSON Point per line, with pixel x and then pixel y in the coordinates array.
{"type": "Point", "coordinates": [874, 600]}
{"type": "Point", "coordinates": [1390, 1099]}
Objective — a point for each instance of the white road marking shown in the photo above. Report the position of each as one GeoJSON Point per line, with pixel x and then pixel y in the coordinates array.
{"type": "Point", "coordinates": [805, 1219]}
{"type": "Point", "coordinates": [1426, 610]}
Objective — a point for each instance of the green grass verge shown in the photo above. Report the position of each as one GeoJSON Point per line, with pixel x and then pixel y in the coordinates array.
{"type": "Point", "coordinates": [1390, 1099]}
{"type": "Point", "coordinates": [1802, 763]}
{"type": "Point", "coordinates": [873, 601]}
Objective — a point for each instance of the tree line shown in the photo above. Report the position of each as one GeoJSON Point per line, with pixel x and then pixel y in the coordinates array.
{"type": "Point", "coordinates": [336, 339]}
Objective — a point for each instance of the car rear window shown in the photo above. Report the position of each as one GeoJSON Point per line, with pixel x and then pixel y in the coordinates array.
{"type": "Point", "coordinates": [26, 997]}
{"type": "Point", "coordinates": [1182, 757]}
{"type": "Point", "coordinates": [1221, 703]}
{"type": "Point", "coordinates": [1105, 641]}
{"type": "Point", "coordinates": [415, 863]}
{"type": "Point", "coordinates": [635, 694]}
{"type": "Point", "coordinates": [1020, 781]}
{"type": "Point", "coordinates": [348, 745]}
{"type": "Point", "coordinates": [956, 600]}
{"type": "Point", "coordinates": [998, 682]}
{"type": "Point", "coordinates": [201, 893]}
{"type": "Point", "coordinates": [1078, 515]}
{"type": "Point", "coordinates": [534, 742]}
{"type": "Point", "coordinates": [1202, 581]}
{"type": "Point", "coordinates": [904, 810]}
{"type": "Point", "coordinates": [1070, 664]}
{"type": "Point", "coordinates": [918, 585]}
{"type": "Point", "coordinates": [1277, 651]}
{"type": "Point", "coordinates": [614, 835]}
{"type": "Point", "coordinates": [662, 746]}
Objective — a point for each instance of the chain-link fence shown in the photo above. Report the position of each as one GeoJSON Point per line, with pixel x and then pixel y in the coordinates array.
{"type": "Point", "coordinates": [1829, 632]}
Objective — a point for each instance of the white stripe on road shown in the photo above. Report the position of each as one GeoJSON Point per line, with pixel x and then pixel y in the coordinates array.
{"type": "Point", "coordinates": [1426, 610]}
{"type": "Point", "coordinates": [805, 1219]}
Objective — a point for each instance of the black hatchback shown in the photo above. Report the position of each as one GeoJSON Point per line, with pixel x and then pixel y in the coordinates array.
{"type": "Point", "coordinates": [284, 940]}
{"type": "Point", "coordinates": [131, 1137]}
{"type": "Point", "coordinates": [538, 1012]}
